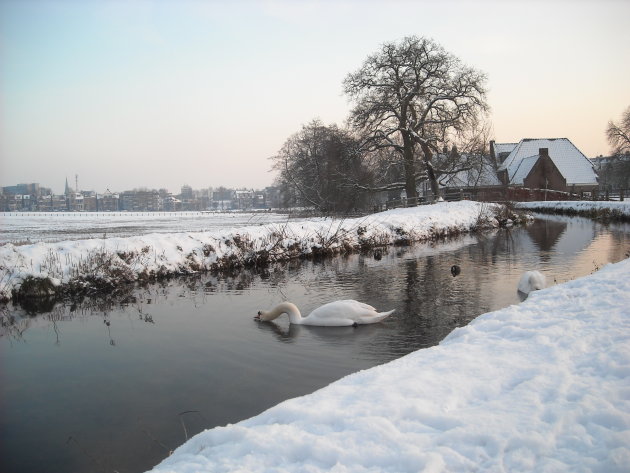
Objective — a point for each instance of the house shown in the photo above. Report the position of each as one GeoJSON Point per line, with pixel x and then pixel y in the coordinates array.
{"type": "Point", "coordinates": [75, 202]}
{"type": "Point", "coordinates": [546, 164]}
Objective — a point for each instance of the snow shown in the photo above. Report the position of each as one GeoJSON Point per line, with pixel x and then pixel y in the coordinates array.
{"type": "Point", "coordinates": [111, 260]}
{"type": "Point", "coordinates": [34, 227]}
{"type": "Point", "coordinates": [539, 386]}
{"type": "Point", "coordinates": [503, 148]}
{"type": "Point", "coordinates": [582, 205]}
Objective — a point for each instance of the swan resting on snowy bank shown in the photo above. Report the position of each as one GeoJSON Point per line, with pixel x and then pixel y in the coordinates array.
{"type": "Point", "coordinates": [531, 281]}
{"type": "Point", "coordinates": [333, 314]}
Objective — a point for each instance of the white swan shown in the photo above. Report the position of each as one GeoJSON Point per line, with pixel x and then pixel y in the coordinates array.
{"type": "Point", "coordinates": [531, 281]}
{"type": "Point", "coordinates": [333, 314]}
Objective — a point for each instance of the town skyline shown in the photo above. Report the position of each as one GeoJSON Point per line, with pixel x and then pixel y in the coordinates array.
{"type": "Point", "coordinates": [71, 186]}
{"type": "Point", "coordinates": [206, 92]}
{"type": "Point", "coordinates": [34, 197]}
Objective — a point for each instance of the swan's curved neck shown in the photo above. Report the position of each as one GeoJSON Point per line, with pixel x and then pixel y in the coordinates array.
{"type": "Point", "coordinates": [295, 317]}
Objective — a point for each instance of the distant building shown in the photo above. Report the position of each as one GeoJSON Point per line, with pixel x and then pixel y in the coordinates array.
{"type": "Point", "coordinates": [90, 201]}
{"type": "Point", "coordinates": [140, 201]}
{"type": "Point", "coordinates": [75, 202]}
{"type": "Point", "coordinates": [222, 198]}
{"type": "Point", "coordinates": [95, 202]}
{"type": "Point", "coordinates": [108, 201]}
{"type": "Point", "coordinates": [204, 199]}
{"type": "Point", "coordinates": [22, 197]}
{"type": "Point", "coordinates": [186, 193]}
{"type": "Point", "coordinates": [260, 200]}
{"type": "Point", "coordinates": [18, 202]}
{"type": "Point", "coordinates": [187, 199]}
{"type": "Point", "coordinates": [31, 189]}
{"type": "Point", "coordinates": [244, 199]}
{"type": "Point", "coordinates": [52, 203]}
{"type": "Point", "coordinates": [170, 203]}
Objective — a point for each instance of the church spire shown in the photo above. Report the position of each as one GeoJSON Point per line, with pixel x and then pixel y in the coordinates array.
{"type": "Point", "coordinates": [67, 189]}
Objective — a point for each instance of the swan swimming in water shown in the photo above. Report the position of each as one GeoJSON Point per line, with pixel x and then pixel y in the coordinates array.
{"type": "Point", "coordinates": [531, 281]}
{"type": "Point", "coordinates": [333, 314]}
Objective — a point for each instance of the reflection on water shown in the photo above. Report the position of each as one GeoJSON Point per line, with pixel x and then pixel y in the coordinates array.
{"type": "Point", "coordinates": [104, 385]}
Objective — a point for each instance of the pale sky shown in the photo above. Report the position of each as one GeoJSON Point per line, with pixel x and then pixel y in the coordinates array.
{"type": "Point", "coordinates": [164, 93]}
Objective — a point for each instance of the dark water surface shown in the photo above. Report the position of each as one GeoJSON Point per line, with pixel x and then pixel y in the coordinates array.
{"type": "Point", "coordinates": [115, 385]}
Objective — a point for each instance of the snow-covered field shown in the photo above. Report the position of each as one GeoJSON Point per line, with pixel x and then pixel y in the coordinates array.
{"type": "Point", "coordinates": [578, 206]}
{"type": "Point", "coordinates": [34, 227]}
{"type": "Point", "coordinates": [111, 260]}
{"type": "Point", "coordinates": [541, 386]}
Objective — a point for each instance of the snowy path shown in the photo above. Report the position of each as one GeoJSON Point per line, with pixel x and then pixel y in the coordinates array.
{"type": "Point", "coordinates": [540, 386]}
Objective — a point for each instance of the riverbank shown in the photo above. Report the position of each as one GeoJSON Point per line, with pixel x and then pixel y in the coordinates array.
{"type": "Point", "coordinates": [538, 386]}
{"type": "Point", "coordinates": [103, 264]}
{"type": "Point", "coordinates": [615, 211]}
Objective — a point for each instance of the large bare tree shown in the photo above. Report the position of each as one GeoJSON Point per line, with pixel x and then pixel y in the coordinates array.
{"type": "Point", "coordinates": [411, 97]}
{"type": "Point", "coordinates": [618, 134]}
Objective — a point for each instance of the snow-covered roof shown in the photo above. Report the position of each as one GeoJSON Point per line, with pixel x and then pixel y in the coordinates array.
{"type": "Point", "coordinates": [480, 176]}
{"type": "Point", "coordinates": [523, 169]}
{"type": "Point", "coordinates": [503, 148]}
{"type": "Point", "coordinates": [572, 164]}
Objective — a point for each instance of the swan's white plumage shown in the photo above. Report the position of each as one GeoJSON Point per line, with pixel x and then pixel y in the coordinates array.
{"type": "Point", "coordinates": [531, 281]}
{"type": "Point", "coordinates": [333, 314]}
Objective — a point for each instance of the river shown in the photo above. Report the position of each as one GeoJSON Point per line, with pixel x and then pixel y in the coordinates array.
{"type": "Point", "coordinates": [114, 385]}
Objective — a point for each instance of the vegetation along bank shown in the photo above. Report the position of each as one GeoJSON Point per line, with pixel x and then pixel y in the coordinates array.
{"type": "Point", "coordinates": [102, 265]}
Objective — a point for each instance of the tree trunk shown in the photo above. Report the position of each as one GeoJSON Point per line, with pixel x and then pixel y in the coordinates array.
{"type": "Point", "coordinates": [410, 169]}
{"type": "Point", "coordinates": [428, 156]}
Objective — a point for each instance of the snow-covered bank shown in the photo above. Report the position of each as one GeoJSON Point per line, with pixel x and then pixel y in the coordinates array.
{"type": "Point", "coordinates": [43, 268]}
{"type": "Point", "coordinates": [586, 208]}
{"type": "Point", "coordinates": [539, 386]}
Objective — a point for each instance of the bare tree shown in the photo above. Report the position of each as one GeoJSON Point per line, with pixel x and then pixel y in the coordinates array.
{"type": "Point", "coordinates": [469, 153]}
{"type": "Point", "coordinates": [409, 97]}
{"type": "Point", "coordinates": [317, 163]}
{"type": "Point", "coordinates": [619, 134]}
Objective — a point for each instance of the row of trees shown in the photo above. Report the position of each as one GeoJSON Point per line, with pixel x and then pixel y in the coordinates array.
{"type": "Point", "coordinates": [418, 113]}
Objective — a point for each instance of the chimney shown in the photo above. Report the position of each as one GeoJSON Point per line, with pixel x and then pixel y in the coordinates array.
{"type": "Point", "coordinates": [492, 155]}
{"type": "Point", "coordinates": [543, 152]}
